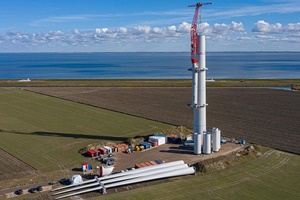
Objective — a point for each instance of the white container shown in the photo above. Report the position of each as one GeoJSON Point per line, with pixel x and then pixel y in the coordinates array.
{"type": "Point", "coordinates": [219, 139]}
{"type": "Point", "coordinates": [207, 143]}
{"type": "Point", "coordinates": [108, 149]}
{"type": "Point", "coordinates": [197, 143]}
{"type": "Point", "coordinates": [159, 139]}
{"type": "Point", "coordinates": [216, 140]}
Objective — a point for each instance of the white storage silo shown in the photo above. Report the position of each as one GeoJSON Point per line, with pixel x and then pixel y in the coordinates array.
{"type": "Point", "coordinates": [216, 139]}
{"type": "Point", "coordinates": [219, 138]}
{"type": "Point", "coordinates": [197, 143]}
{"type": "Point", "coordinates": [207, 143]}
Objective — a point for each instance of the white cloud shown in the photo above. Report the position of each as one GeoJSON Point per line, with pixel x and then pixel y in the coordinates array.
{"type": "Point", "coordinates": [264, 27]}
{"type": "Point", "coordinates": [141, 30]}
{"type": "Point", "coordinates": [293, 27]}
{"type": "Point", "coordinates": [184, 27]}
{"type": "Point", "coordinates": [143, 35]}
{"type": "Point", "coordinates": [101, 30]}
{"type": "Point", "coordinates": [122, 30]}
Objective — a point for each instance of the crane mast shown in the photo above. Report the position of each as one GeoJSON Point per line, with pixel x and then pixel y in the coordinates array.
{"type": "Point", "coordinates": [194, 34]}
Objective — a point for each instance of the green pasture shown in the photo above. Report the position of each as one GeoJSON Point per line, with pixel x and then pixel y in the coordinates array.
{"type": "Point", "coordinates": [275, 175]}
{"type": "Point", "coordinates": [47, 132]}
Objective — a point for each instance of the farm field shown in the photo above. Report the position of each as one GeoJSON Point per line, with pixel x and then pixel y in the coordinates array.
{"type": "Point", "coordinates": [11, 166]}
{"type": "Point", "coordinates": [272, 176]}
{"type": "Point", "coordinates": [47, 132]}
{"type": "Point", "coordinates": [265, 116]}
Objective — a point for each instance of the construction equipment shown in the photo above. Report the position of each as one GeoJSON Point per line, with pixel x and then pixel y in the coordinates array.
{"type": "Point", "coordinates": [194, 34]}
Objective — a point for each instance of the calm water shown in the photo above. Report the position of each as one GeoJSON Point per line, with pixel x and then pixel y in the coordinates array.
{"type": "Point", "coordinates": [147, 65]}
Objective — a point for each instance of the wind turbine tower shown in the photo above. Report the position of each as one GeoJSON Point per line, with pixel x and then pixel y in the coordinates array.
{"type": "Point", "coordinates": [198, 69]}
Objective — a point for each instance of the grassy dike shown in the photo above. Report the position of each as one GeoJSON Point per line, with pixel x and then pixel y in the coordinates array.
{"type": "Point", "coordinates": [148, 83]}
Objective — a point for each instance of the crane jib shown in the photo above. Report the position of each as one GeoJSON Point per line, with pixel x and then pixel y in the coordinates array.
{"type": "Point", "coordinates": [193, 32]}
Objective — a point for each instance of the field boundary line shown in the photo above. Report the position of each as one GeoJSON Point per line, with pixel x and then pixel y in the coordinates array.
{"type": "Point", "coordinates": [18, 159]}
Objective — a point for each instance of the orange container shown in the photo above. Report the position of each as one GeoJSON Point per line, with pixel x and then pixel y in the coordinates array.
{"type": "Point", "coordinates": [152, 162]}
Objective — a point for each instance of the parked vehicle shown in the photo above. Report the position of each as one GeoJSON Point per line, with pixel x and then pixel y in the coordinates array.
{"type": "Point", "coordinates": [32, 190]}
{"type": "Point", "coordinates": [65, 181]}
{"type": "Point", "coordinates": [39, 188]}
{"type": "Point", "coordinates": [19, 192]}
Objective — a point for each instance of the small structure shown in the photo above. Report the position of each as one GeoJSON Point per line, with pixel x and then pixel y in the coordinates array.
{"type": "Point", "coordinates": [146, 145]}
{"type": "Point", "coordinates": [84, 166]}
{"type": "Point", "coordinates": [77, 180]}
{"type": "Point", "coordinates": [108, 149]}
{"type": "Point", "coordinates": [24, 80]}
{"type": "Point", "coordinates": [91, 153]}
{"type": "Point", "coordinates": [158, 138]}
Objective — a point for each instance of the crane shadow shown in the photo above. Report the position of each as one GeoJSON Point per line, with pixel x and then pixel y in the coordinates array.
{"type": "Point", "coordinates": [69, 135]}
{"type": "Point", "coordinates": [178, 150]}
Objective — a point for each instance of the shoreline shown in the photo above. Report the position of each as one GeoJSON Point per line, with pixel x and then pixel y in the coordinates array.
{"type": "Point", "coordinates": [292, 83]}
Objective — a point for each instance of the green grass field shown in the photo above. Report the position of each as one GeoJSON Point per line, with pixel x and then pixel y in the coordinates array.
{"type": "Point", "coordinates": [47, 132]}
{"type": "Point", "coordinates": [275, 175]}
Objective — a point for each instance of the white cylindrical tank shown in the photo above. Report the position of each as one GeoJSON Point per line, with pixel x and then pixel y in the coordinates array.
{"type": "Point", "coordinates": [197, 143]}
{"type": "Point", "coordinates": [219, 138]}
{"type": "Point", "coordinates": [207, 143]}
{"type": "Point", "coordinates": [215, 140]}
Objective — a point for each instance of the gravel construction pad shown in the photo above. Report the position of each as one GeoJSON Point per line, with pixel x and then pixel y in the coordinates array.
{"type": "Point", "coordinates": [265, 116]}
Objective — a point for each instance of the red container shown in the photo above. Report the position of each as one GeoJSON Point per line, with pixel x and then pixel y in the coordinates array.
{"type": "Point", "coordinates": [138, 165]}
{"type": "Point", "coordinates": [102, 151]}
{"type": "Point", "coordinates": [91, 153]}
{"type": "Point", "coordinates": [143, 165]}
{"type": "Point", "coordinates": [97, 152]}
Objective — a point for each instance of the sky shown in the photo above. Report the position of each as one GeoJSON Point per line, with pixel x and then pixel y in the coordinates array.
{"type": "Point", "coordinates": [147, 25]}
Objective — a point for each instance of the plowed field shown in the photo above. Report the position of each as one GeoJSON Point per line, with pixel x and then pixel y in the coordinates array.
{"type": "Point", "coordinates": [264, 116]}
{"type": "Point", "coordinates": [12, 167]}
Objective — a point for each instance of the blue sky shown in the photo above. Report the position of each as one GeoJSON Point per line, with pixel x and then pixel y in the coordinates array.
{"type": "Point", "coordinates": [147, 25]}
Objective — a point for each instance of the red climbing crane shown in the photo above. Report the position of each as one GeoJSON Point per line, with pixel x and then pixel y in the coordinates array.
{"type": "Point", "coordinates": [194, 34]}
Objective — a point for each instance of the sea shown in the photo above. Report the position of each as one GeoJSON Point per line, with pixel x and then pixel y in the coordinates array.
{"type": "Point", "coordinates": [237, 65]}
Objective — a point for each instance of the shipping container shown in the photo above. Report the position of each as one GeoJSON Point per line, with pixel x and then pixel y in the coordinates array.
{"type": "Point", "coordinates": [90, 166]}
{"type": "Point", "coordinates": [146, 145]}
{"type": "Point", "coordinates": [170, 138]}
{"type": "Point", "coordinates": [152, 162]}
{"type": "Point", "coordinates": [143, 164]}
{"type": "Point", "coordinates": [84, 166]}
{"type": "Point", "coordinates": [97, 152]}
{"type": "Point", "coordinates": [138, 165]}
{"type": "Point", "coordinates": [91, 153]}
{"type": "Point", "coordinates": [108, 149]}
{"type": "Point", "coordinates": [102, 151]}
